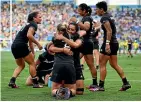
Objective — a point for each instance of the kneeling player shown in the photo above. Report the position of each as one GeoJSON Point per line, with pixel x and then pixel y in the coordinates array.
{"type": "Point", "coordinates": [63, 74]}
{"type": "Point", "coordinates": [44, 65]}
{"type": "Point", "coordinates": [75, 42]}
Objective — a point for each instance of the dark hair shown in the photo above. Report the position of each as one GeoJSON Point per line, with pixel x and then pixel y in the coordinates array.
{"type": "Point", "coordinates": [31, 16]}
{"type": "Point", "coordinates": [84, 6]}
{"type": "Point", "coordinates": [76, 26]}
{"type": "Point", "coordinates": [89, 10]}
{"type": "Point", "coordinates": [102, 5]}
{"type": "Point", "coordinates": [61, 27]}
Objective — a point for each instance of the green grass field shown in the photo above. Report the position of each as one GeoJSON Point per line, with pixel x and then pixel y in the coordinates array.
{"type": "Point", "coordinates": [131, 66]}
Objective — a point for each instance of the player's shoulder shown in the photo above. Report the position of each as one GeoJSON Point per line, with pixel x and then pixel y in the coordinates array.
{"type": "Point", "coordinates": [33, 24]}
{"type": "Point", "coordinates": [87, 18]}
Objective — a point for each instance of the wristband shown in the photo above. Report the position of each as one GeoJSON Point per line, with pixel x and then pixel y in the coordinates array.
{"type": "Point", "coordinates": [107, 41]}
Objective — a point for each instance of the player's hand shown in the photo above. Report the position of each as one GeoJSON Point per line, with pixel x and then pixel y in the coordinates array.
{"type": "Point", "coordinates": [73, 19]}
{"type": "Point", "coordinates": [107, 49]}
{"type": "Point", "coordinates": [67, 51]}
{"type": "Point", "coordinates": [59, 36]}
{"type": "Point", "coordinates": [40, 47]}
{"type": "Point", "coordinates": [81, 33]}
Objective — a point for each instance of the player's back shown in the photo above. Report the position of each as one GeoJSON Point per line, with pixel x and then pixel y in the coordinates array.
{"type": "Point", "coordinates": [62, 57]}
{"type": "Point", "coordinates": [21, 37]}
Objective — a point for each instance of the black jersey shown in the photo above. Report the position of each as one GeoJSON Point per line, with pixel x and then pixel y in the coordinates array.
{"type": "Point", "coordinates": [88, 33]}
{"type": "Point", "coordinates": [108, 17]}
{"type": "Point", "coordinates": [76, 51]}
{"type": "Point", "coordinates": [61, 57]}
{"type": "Point", "coordinates": [46, 61]}
{"type": "Point", "coordinates": [21, 37]}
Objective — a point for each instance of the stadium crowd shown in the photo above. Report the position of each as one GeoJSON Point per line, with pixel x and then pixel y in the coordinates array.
{"type": "Point", "coordinates": [128, 25]}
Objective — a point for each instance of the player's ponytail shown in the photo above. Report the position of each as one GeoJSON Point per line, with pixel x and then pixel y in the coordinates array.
{"type": "Point", "coordinates": [84, 6]}
{"type": "Point", "coordinates": [89, 10]}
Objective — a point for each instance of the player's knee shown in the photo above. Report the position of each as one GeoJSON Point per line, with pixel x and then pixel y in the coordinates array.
{"type": "Point", "coordinates": [22, 66]}
{"type": "Point", "coordinates": [114, 65]}
{"type": "Point", "coordinates": [54, 92]}
{"type": "Point", "coordinates": [90, 64]}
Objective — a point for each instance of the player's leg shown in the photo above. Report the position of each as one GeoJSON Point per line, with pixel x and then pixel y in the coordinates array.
{"type": "Point", "coordinates": [96, 54]}
{"type": "Point", "coordinates": [46, 79]}
{"type": "Point", "coordinates": [55, 87]}
{"type": "Point", "coordinates": [21, 64]}
{"type": "Point", "coordinates": [29, 81]}
{"type": "Point", "coordinates": [80, 87]}
{"type": "Point", "coordinates": [103, 71]}
{"type": "Point", "coordinates": [114, 64]}
{"type": "Point", "coordinates": [88, 55]}
{"type": "Point", "coordinates": [82, 62]}
{"type": "Point", "coordinates": [70, 80]}
{"type": "Point", "coordinates": [79, 81]}
{"type": "Point", "coordinates": [71, 90]}
{"type": "Point", "coordinates": [57, 79]}
{"type": "Point", "coordinates": [103, 58]}
{"type": "Point", "coordinates": [32, 69]}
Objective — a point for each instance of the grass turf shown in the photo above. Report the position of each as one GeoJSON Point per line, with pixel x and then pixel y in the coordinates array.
{"type": "Point", "coordinates": [131, 67]}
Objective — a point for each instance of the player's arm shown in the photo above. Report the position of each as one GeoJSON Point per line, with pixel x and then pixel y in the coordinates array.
{"type": "Point", "coordinates": [31, 46]}
{"type": "Point", "coordinates": [108, 30]}
{"type": "Point", "coordinates": [71, 43]}
{"type": "Point", "coordinates": [50, 74]}
{"type": "Point", "coordinates": [82, 33]}
{"type": "Point", "coordinates": [54, 49]}
{"type": "Point", "coordinates": [85, 26]}
{"type": "Point", "coordinates": [31, 37]}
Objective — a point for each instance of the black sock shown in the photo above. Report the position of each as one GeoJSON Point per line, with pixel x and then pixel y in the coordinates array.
{"type": "Point", "coordinates": [124, 80]}
{"type": "Point", "coordinates": [13, 79]}
{"type": "Point", "coordinates": [34, 79]}
{"type": "Point", "coordinates": [95, 81]}
{"type": "Point", "coordinates": [101, 83]}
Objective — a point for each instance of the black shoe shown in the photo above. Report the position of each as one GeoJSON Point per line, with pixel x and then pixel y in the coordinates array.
{"type": "Point", "coordinates": [125, 87]}
{"type": "Point", "coordinates": [91, 86]}
{"type": "Point", "coordinates": [97, 89]}
{"type": "Point", "coordinates": [12, 85]}
{"type": "Point", "coordinates": [101, 89]}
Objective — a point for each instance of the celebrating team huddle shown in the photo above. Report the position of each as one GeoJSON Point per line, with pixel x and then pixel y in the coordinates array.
{"type": "Point", "coordinates": [60, 62]}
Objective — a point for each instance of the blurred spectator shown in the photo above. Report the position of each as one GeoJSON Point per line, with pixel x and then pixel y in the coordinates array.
{"type": "Point", "coordinates": [128, 20]}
